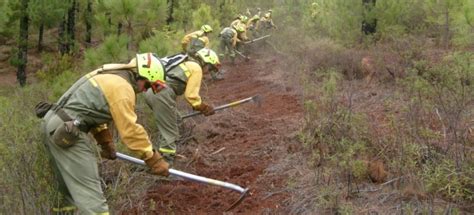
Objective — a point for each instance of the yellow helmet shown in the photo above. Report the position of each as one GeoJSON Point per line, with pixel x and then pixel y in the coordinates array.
{"type": "Point", "coordinates": [209, 56]}
{"type": "Point", "coordinates": [150, 67]}
{"type": "Point", "coordinates": [206, 28]}
{"type": "Point", "coordinates": [239, 27]}
{"type": "Point", "coordinates": [243, 18]}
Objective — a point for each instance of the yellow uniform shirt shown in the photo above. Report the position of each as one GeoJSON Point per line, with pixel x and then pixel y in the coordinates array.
{"type": "Point", "coordinates": [197, 34]}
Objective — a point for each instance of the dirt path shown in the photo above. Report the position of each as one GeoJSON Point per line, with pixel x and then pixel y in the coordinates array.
{"type": "Point", "coordinates": [255, 141]}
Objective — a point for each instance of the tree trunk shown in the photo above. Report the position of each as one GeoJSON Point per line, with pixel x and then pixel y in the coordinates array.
{"type": "Point", "coordinates": [71, 23]}
{"type": "Point", "coordinates": [119, 29]}
{"type": "Point", "coordinates": [130, 34]}
{"type": "Point", "coordinates": [23, 44]}
{"type": "Point", "coordinates": [40, 38]}
{"type": "Point", "coordinates": [369, 25]}
{"type": "Point", "coordinates": [170, 9]}
{"type": "Point", "coordinates": [447, 31]}
{"type": "Point", "coordinates": [88, 23]}
{"type": "Point", "coordinates": [63, 49]}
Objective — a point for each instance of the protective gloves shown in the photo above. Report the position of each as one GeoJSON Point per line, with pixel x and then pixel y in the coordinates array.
{"type": "Point", "coordinates": [205, 109]}
{"type": "Point", "coordinates": [158, 165]}
{"type": "Point", "coordinates": [107, 146]}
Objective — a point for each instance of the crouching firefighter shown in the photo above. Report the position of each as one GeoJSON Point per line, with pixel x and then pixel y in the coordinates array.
{"type": "Point", "coordinates": [183, 77]}
{"type": "Point", "coordinates": [195, 41]}
{"type": "Point", "coordinates": [229, 40]}
{"type": "Point", "coordinates": [98, 98]}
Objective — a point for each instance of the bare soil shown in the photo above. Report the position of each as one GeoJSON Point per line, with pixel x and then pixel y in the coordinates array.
{"type": "Point", "coordinates": [246, 145]}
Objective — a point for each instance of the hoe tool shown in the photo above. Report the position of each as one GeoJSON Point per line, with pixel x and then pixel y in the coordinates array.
{"type": "Point", "coordinates": [257, 39]}
{"type": "Point", "coordinates": [232, 104]}
{"type": "Point", "coordinates": [190, 177]}
{"type": "Point", "coordinates": [247, 58]}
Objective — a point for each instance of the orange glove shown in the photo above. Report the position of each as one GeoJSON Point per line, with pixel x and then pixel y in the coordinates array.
{"type": "Point", "coordinates": [158, 165]}
{"type": "Point", "coordinates": [104, 140]}
{"type": "Point", "coordinates": [205, 109]}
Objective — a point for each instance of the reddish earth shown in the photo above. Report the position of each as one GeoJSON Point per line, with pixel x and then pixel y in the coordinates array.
{"type": "Point", "coordinates": [255, 139]}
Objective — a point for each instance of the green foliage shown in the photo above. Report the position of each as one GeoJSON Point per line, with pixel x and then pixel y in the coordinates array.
{"type": "Point", "coordinates": [137, 17]}
{"type": "Point", "coordinates": [112, 50]}
{"type": "Point", "coordinates": [359, 169]}
{"type": "Point", "coordinates": [203, 16]}
{"type": "Point", "coordinates": [161, 43]}
{"type": "Point", "coordinates": [182, 14]}
{"type": "Point", "coordinates": [5, 13]}
{"type": "Point", "coordinates": [338, 19]}
{"type": "Point", "coordinates": [328, 199]}
{"type": "Point", "coordinates": [446, 87]}
{"type": "Point", "coordinates": [450, 181]}
{"type": "Point", "coordinates": [54, 65]}
{"type": "Point", "coordinates": [399, 17]}
{"type": "Point", "coordinates": [47, 12]}
{"type": "Point", "coordinates": [226, 13]}
{"type": "Point", "coordinates": [26, 183]}
{"type": "Point", "coordinates": [451, 20]}
{"type": "Point", "coordinates": [448, 21]}
{"type": "Point", "coordinates": [333, 123]}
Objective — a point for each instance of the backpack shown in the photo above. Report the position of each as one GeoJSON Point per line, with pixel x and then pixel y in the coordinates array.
{"type": "Point", "coordinates": [172, 61]}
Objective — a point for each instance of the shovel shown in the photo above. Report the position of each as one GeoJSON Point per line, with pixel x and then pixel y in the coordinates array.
{"type": "Point", "coordinates": [190, 177]}
{"type": "Point", "coordinates": [232, 104]}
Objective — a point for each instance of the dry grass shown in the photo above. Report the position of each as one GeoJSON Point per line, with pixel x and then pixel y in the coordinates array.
{"type": "Point", "coordinates": [368, 141]}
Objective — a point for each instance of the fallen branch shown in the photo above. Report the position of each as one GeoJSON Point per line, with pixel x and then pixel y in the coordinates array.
{"type": "Point", "coordinates": [274, 193]}
{"type": "Point", "coordinates": [381, 185]}
{"type": "Point", "coordinates": [220, 150]}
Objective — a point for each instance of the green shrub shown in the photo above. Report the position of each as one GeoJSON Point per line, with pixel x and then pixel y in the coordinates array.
{"type": "Point", "coordinates": [112, 50]}
{"type": "Point", "coordinates": [443, 177]}
{"type": "Point", "coordinates": [203, 16]}
{"type": "Point", "coordinates": [55, 64]}
{"type": "Point", "coordinates": [160, 43]}
{"type": "Point", "coordinates": [25, 180]}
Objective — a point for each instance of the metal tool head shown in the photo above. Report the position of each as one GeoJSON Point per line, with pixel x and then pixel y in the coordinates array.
{"type": "Point", "coordinates": [257, 99]}
{"type": "Point", "coordinates": [238, 201]}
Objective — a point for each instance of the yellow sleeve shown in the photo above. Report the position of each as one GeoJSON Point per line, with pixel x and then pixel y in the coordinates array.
{"type": "Point", "coordinates": [243, 35]}
{"type": "Point", "coordinates": [121, 100]}
{"type": "Point", "coordinates": [235, 39]}
{"type": "Point", "coordinates": [186, 39]}
{"type": "Point", "coordinates": [206, 41]}
{"type": "Point", "coordinates": [249, 22]}
{"type": "Point", "coordinates": [235, 23]}
{"type": "Point", "coordinates": [194, 84]}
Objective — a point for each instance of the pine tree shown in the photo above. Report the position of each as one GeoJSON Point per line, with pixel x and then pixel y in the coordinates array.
{"type": "Point", "coordinates": [23, 43]}
{"type": "Point", "coordinates": [88, 22]}
{"type": "Point", "coordinates": [71, 26]}
{"type": "Point", "coordinates": [170, 8]}
{"type": "Point", "coordinates": [5, 19]}
{"type": "Point", "coordinates": [203, 16]}
{"type": "Point", "coordinates": [45, 14]}
{"type": "Point", "coordinates": [451, 19]}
